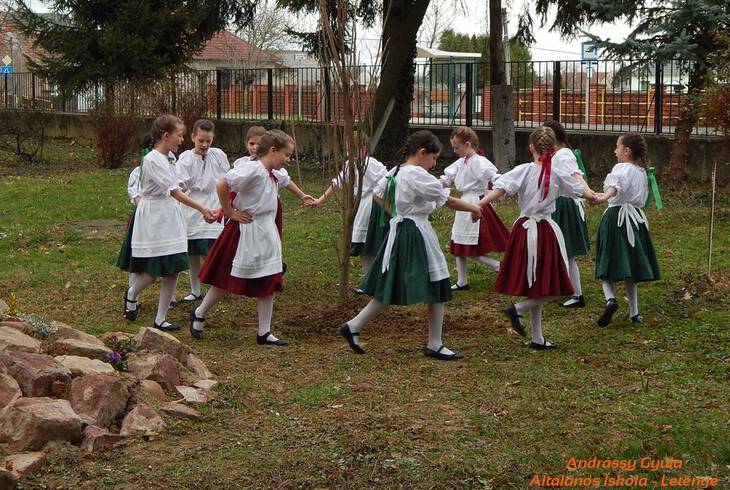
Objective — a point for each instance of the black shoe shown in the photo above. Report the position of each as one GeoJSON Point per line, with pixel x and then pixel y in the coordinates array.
{"type": "Point", "coordinates": [197, 334]}
{"type": "Point", "coordinates": [637, 319]}
{"type": "Point", "coordinates": [437, 354]}
{"type": "Point", "coordinates": [173, 303]}
{"type": "Point", "coordinates": [349, 334]}
{"type": "Point", "coordinates": [545, 346]}
{"type": "Point", "coordinates": [264, 340]}
{"type": "Point", "coordinates": [166, 326]}
{"type": "Point", "coordinates": [611, 307]}
{"type": "Point", "coordinates": [579, 302]}
{"type": "Point", "coordinates": [185, 299]}
{"type": "Point", "coordinates": [514, 318]}
{"type": "Point", "coordinates": [358, 290]}
{"type": "Point", "coordinates": [456, 287]}
{"type": "Point", "coordinates": [130, 315]}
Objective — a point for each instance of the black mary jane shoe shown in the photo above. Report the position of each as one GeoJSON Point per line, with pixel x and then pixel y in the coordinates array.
{"type": "Point", "coordinates": [130, 315]}
{"type": "Point", "coordinates": [196, 297]}
{"type": "Point", "coordinates": [264, 340]}
{"type": "Point", "coordinates": [514, 319]}
{"type": "Point", "coordinates": [579, 302]}
{"type": "Point", "coordinates": [166, 326]}
{"type": "Point", "coordinates": [605, 318]}
{"type": "Point", "coordinates": [457, 287]}
{"type": "Point", "coordinates": [637, 319]}
{"type": "Point", "coordinates": [545, 346]}
{"type": "Point", "coordinates": [437, 354]}
{"type": "Point", "coordinates": [197, 334]}
{"type": "Point", "coordinates": [349, 335]}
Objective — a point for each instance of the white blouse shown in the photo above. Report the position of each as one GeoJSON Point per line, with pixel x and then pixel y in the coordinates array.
{"type": "Point", "coordinates": [373, 172]}
{"type": "Point", "coordinates": [199, 175]}
{"type": "Point", "coordinates": [256, 188]}
{"type": "Point", "coordinates": [133, 185]}
{"type": "Point", "coordinates": [565, 160]}
{"type": "Point", "coordinates": [523, 182]}
{"type": "Point", "coordinates": [630, 183]}
{"type": "Point", "coordinates": [282, 176]}
{"type": "Point", "coordinates": [159, 176]}
{"type": "Point", "coordinates": [472, 174]}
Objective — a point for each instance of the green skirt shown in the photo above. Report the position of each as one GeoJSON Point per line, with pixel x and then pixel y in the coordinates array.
{"type": "Point", "coordinates": [200, 246]}
{"type": "Point", "coordinates": [377, 233]}
{"type": "Point", "coordinates": [575, 231]}
{"type": "Point", "coordinates": [616, 259]}
{"type": "Point", "coordinates": [125, 253]}
{"type": "Point", "coordinates": [406, 281]}
{"type": "Point", "coordinates": [164, 266]}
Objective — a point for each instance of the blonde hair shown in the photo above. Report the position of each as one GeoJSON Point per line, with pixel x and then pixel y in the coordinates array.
{"type": "Point", "coordinates": [254, 131]}
{"type": "Point", "coordinates": [275, 138]}
{"type": "Point", "coordinates": [466, 135]}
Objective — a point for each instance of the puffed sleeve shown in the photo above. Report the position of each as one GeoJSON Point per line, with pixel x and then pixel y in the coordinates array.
{"type": "Point", "coordinates": [567, 185]}
{"type": "Point", "coordinates": [377, 169]}
{"type": "Point", "coordinates": [341, 177]}
{"type": "Point", "coordinates": [488, 169]}
{"type": "Point", "coordinates": [615, 179]}
{"type": "Point", "coordinates": [242, 177]}
{"type": "Point", "coordinates": [383, 182]}
{"type": "Point", "coordinates": [429, 188]}
{"type": "Point", "coordinates": [133, 185]}
{"type": "Point", "coordinates": [241, 161]}
{"type": "Point", "coordinates": [183, 169]}
{"type": "Point", "coordinates": [450, 173]}
{"type": "Point", "coordinates": [282, 177]}
{"type": "Point", "coordinates": [161, 173]}
{"type": "Point", "coordinates": [221, 159]}
{"type": "Point", "coordinates": [511, 181]}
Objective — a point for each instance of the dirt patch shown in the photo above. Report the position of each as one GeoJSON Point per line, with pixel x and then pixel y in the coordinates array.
{"type": "Point", "coordinates": [702, 290]}
{"type": "Point", "coordinates": [97, 229]}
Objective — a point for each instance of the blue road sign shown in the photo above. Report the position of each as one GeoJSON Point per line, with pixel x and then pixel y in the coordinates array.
{"type": "Point", "coordinates": [6, 70]}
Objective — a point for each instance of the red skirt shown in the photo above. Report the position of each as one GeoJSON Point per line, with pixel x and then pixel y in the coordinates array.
{"type": "Point", "coordinates": [551, 278]}
{"type": "Point", "coordinates": [216, 269]}
{"type": "Point", "coordinates": [493, 236]}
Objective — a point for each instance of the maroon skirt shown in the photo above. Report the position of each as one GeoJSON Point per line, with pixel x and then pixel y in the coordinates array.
{"type": "Point", "coordinates": [493, 236]}
{"type": "Point", "coordinates": [551, 278]}
{"type": "Point", "coordinates": [279, 219]}
{"type": "Point", "coordinates": [216, 269]}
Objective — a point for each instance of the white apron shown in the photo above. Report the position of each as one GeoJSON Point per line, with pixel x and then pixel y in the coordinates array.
{"type": "Point", "coordinates": [437, 267]}
{"type": "Point", "coordinates": [362, 219]}
{"type": "Point", "coordinates": [159, 228]}
{"type": "Point", "coordinates": [631, 216]}
{"type": "Point", "coordinates": [465, 231]}
{"type": "Point", "coordinates": [259, 248]}
{"type": "Point", "coordinates": [532, 242]}
{"type": "Point", "coordinates": [197, 228]}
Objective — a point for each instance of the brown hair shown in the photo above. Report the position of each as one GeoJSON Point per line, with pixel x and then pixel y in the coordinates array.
{"type": "Point", "coordinates": [636, 143]}
{"type": "Point", "coordinates": [276, 138]}
{"type": "Point", "coordinates": [254, 131]}
{"type": "Point", "coordinates": [165, 124]}
{"type": "Point", "coordinates": [466, 135]}
{"type": "Point", "coordinates": [543, 140]}
{"type": "Point", "coordinates": [560, 134]}
{"type": "Point", "coordinates": [203, 125]}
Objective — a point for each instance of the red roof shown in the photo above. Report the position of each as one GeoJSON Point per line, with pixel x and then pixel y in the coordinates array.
{"type": "Point", "coordinates": [225, 45]}
{"type": "Point", "coordinates": [26, 43]}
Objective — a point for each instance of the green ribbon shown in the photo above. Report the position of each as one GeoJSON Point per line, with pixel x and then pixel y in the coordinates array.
{"type": "Point", "coordinates": [653, 189]}
{"type": "Point", "coordinates": [388, 200]}
{"type": "Point", "coordinates": [581, 165]}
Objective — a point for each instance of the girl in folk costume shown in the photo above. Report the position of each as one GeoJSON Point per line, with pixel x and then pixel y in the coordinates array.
{"type": "Point", "coordinates": [570, 215]}
{"type": "Point", "coordinates": [624, 250]}
{"type": "Point", "coordinates": [411, 267]}
{"type": "Point", "coordinates": [373, 172]}
{"type": "Point", "coordinates": [201, 168]}
{"type": "Point", "coordinates": [159, 240]}
{"type": "Point", "coordinates": [536, 264]}
{"type": "Point", "coordinates": [134, 187]}
{"type": "Point", "coordinates": [472, 174]}
{"type": "Point", "coordinates": [246, 258]}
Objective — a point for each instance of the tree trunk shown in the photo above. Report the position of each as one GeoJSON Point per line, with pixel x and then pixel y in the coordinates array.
{"type": "Point", "coordinates": [503, 130]}
{"type": "Point", "coordinates": [400, 28]}
{"type": "Point", "coordinates": [686, 122]}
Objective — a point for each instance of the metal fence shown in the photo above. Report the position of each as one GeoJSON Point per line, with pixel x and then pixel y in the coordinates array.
{"type": "Point", "coordinates": [614, 96]}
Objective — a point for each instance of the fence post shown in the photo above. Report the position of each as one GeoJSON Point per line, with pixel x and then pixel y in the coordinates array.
{"type": "Point", "coordinates": [327, 95]}
{"type": "Point", "coordinates": [218, 104]}
{"type": "Point", "coordinates": [556, 90]}
{"type": "Point", "coordinates": [270, 93]}
{"type": "Point", "coordinates": [32, 90]}
{"type": "Point", "coordinates": [469, 94]}
{"type": "Point", "coordinates": [658, 98]}
{"type": "Point", "coordinates": [7, 103]}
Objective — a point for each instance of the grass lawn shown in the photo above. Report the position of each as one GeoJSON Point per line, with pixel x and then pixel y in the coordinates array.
{"type": "Point", "coordinates": [315, 415]}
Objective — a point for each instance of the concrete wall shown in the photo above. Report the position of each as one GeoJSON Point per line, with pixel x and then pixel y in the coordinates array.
{"type": "Point", "coordinates": [597, 147]}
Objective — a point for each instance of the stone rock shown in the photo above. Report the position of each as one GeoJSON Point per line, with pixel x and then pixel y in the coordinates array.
{"type": "Point", "coordinates": [81, 348]}
{"type": "Point", "coordinates": [28, 424]}
{"type": "Point", "coordinates": [15, 340]}
{"type": "Point", "coordinates": [153, 389]}
{"type": "Point", "coordinates": [98, 398]}
{"type": "Point", "coordinates": [37, 374]}
{"type": "Point", "coordinates": [7, 480]}
{"type": "Point", "coordinates": [3, 307]}
{"type": "Point", "coordinates": [154, 340]}
{"type": "Point", "coordinates": [142, 420]}
{"type": "Point", "coordinates": [180, 411]}
{"type": "Point", "coordinates": [98, 439]}
{"type": "Point", "coordinates": [193, 363]}
{"type": "Point", "coordinates": [19, 325]}
{"type": "Point", "coordinates": [192, 395]}
{"type": "Point", "coordinates": [63, 331]}
{"type": "Point", "coordinates": [206, 384]}
{"type": "Point", "coordinates": [23, 464]}
{"type": "Point", "coordinates": [83, 366]}
{"type": "Point", "coordinates": [161, 368]}
{"type": "Point", "coordinates": [9, 390]}
{"type": "Point", "coordinates": [112, 336]}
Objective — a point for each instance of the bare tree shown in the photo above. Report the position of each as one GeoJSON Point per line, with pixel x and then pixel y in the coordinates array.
{"type": "Point", "coordinates": [439, 17]}
{"type": "Point", "coordinates": [267, 31]}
